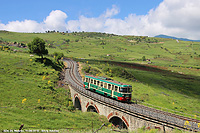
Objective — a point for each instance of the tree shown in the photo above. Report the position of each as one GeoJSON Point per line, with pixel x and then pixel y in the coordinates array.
{"type": "Point", "coordinates": [37, 46]}
{"type": "Point", "coordinates": [67, 40]}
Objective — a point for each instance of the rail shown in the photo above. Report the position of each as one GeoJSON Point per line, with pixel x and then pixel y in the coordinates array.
{"type": "Point", "coordinates": [141, 111]}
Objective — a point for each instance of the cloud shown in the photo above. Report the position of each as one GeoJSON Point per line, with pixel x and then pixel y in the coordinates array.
{"type": "Point", "coordinates": [111, 12]}
{"type": "Point", "coordinates": [22, 26]}
{"type": "Point", "coordinates": [177, 17]}
{"type": "Point", "coordinates": [180, 18]}
{"type": "Point", "coordinates": [92, 24]}
{"type": "Point", "coordinates": [55, 21]}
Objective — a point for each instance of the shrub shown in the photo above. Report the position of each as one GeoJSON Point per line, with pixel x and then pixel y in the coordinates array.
{"type": "Point", "coordinates": [144, 58]}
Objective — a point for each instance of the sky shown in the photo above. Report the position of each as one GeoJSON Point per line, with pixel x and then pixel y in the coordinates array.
{"type": "Point", "coordinates": [180, 18]}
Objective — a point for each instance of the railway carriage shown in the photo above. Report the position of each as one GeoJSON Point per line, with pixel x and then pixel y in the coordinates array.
{"type": "Point", "coordinates": [107, 87]}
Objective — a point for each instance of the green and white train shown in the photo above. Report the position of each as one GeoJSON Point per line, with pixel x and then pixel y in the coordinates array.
{"type": "Point", "coordinates": [107, 87]}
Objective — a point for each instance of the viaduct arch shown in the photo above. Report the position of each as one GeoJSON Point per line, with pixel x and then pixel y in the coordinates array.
{"type": "Point", "coordinates": [77, 103]}
{"type": "Point", "coordinates": [117, 117]}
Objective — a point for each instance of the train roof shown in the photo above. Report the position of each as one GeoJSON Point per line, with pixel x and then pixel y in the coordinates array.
{"type": "Point", "coordinates": [108, 80]}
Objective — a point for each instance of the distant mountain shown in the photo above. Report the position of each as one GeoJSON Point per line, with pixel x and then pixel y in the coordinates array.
{"type": "Point", "coordinates": [183, 39]}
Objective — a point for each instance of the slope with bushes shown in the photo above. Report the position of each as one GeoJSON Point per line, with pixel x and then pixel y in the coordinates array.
{"type": "Point", "coordinates": [31, 95]}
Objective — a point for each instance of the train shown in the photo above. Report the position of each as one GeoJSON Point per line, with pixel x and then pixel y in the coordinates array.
{"type": "Point", "coordinates": [109, 88]}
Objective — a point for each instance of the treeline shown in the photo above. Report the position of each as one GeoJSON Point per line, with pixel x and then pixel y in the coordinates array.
{"type": "Point", "coordinates": [144, 39]}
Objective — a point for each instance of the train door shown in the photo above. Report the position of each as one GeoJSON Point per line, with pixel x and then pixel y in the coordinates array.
{"type": "Point", "coordinates": [110, 88]}
{"type": "Point", "coordinates": [89, 83]}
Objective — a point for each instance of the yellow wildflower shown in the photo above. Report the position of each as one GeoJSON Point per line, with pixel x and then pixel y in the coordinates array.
{"type": "Point", "coordinates": [43, 78]}
{"type": "Point", "coordinates": [24, 100]}
{"type": "Point", "coordinates": [30, 59]}
{"type": "Point", "coordinates": [187, 123]}
{"type": "Point", "coordinates": [49, 82]}
{"type": "Point", "coordinates": [38, 100]}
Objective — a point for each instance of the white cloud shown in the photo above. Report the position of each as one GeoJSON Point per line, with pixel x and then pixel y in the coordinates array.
{"type": "Point", "coordinates": [179, 18]}
{"type": "Point", "coordinates": [22, 26]}
{"type": "Point", "coordinates": [111, 12]}
{"type": "Point", "coordinates": [55, 21]}
{"type": "Point", "coordinates": [92, 24]}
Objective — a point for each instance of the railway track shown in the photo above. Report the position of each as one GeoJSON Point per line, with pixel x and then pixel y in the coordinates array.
{"type": "Point", "coordinates": [137, 110]}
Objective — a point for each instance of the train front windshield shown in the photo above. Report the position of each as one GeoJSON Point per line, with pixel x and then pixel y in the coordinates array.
{"type": "Point", "coordinates": [126, 90]}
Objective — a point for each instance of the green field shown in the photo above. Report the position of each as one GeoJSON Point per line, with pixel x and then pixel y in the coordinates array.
{"type": "Point", "coordinates": [161, 52]}
{"type": "Point", "coordinates": [160, 89]}
{"type": "Point", "coordinates": [168, 79]}
{"type": "Point", "coordinates": [30, 95]}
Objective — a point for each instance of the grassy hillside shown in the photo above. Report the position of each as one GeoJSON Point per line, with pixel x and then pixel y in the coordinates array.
{"type": "Point", "coordinates": [175, 84]}
{"type": "Point", "coordinates": [161, 52]}
{"type": "Point", "coordinates": [157, 88]}
{"type": "Point", "coordinates": [31, 95]}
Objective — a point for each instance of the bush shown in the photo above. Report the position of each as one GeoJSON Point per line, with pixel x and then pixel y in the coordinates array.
{"type": "Point", "coordinates": [144, 58]}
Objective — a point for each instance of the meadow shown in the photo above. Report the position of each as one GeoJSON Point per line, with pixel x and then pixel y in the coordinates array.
{"type": "Point", "coordinates": [164, 73]}
{"type": "Point", "coordinates": [153, 87]}
{"type": "Point", "coordinates": [31, 95]}
{"type": "Point", "coordinates": [161, 52]}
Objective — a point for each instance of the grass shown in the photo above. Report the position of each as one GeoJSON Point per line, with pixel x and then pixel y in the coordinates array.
{"type": "Point", "coordinates": [31, 96]}
{"type": "Point", "coordinates": [169, 80]}
{"type": "Point", "coordinates": [164, 52]}
{"type": "Point", "coordinates": [157, 88]}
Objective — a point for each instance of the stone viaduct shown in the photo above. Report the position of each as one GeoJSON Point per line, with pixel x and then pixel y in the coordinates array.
{"type": "Point", "coordinates": [118, 117]}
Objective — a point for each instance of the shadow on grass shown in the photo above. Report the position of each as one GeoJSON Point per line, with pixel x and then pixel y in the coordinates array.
{"type": "Point", "coordinates": [48, 62]}
{"type": "Point", "coordinates": [189, 85]}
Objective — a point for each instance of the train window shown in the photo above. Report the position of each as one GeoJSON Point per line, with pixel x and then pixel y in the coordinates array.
{"type": "Point", "coordinates": [109, 86]}
{"type": "Point", "coordinates": [91, 81]}
{"type": "Point", "coordinates": [86, 79]}
{"type": "Point", "coordinates": [123, 89]}
{"type": "Point", "coordinates": [105, 85]}
{"type": "Point", "coordinates": [116, 88]}
{"type": "Point", "coordinates": [94, 82]}
{"type": "Point", "coordinates": [97, 83]}
{"type": "Point", "coordinates": [101, 84]}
